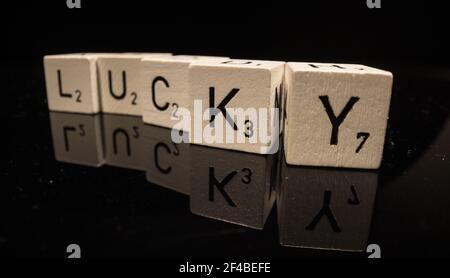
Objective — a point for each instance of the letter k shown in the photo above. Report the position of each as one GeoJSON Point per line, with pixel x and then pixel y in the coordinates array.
{"type": "Point", "coordinates": [221, 106]}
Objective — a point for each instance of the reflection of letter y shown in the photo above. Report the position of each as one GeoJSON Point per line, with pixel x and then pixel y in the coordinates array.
{"type": "Point", "coordinates": [325, 210]}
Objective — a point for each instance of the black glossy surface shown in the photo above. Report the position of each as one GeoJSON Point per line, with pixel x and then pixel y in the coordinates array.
{"type": "Point", "coordinates": [110, 211]}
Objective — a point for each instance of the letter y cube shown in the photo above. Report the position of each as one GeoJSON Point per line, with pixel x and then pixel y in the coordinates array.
{"type": "Point", "coordinates": [336, 115]}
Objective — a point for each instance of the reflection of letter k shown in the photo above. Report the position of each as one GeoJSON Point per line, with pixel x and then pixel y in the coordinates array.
{"type": "Point", "coordinates": [325, 210]}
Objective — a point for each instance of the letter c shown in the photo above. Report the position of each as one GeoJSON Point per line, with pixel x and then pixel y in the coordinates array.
{"type": "Point", "coordinates": [164, 146]}
{"type": "Point", "coordinates": [162, 79]}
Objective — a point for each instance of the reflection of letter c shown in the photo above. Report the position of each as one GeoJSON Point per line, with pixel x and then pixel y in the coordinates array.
{"type": "Point", "coordinates": [162, 79]}
{"type": "Point", "coordinates": [164, 146]}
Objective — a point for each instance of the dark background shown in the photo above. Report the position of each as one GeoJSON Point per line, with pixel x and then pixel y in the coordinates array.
{"type": "Point", "coordinates": [45, 204]}
{"type": "Point", "coordinates": [337, 31]}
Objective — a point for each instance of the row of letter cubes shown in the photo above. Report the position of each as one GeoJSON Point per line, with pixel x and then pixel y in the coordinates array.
{"type": "Point", "coordinates": [330, 114]}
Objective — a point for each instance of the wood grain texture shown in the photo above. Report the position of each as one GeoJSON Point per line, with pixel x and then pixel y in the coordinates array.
{"type": "Point", "coordinates": [240, 84]}
{"type": "Point", "coordinates": [336, 115]}
{"type": "Point", "coordinates": [71, 81]}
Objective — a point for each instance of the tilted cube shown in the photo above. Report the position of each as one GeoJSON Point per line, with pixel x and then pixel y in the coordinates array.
{"type": "Point", "coordinates": [233, 104]}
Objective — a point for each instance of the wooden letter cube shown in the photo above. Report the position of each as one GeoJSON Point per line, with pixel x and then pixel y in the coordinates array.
{"type": "Point", "coordinates": [120, 87]}
{"type": "Point", "coordinates": [240, 96]}
{"type": "Point", "coordinates": [165, 87]}
{"type": "Point", "coordinates": [336, 114]}
{"type": "Point", "coordinates": [71, 82]}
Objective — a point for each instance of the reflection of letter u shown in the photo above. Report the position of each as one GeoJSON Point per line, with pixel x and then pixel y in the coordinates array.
{"type": "Point", "coordinates": [127, 140]}
{"type": "Point", "coordinates": [124, 85]}
{"type": "Point", "coordinates": [161, 169]}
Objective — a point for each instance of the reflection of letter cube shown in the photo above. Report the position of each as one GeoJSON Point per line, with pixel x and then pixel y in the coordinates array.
{"type": "Point", "coordinates": [77, 138]}
{"type": "Point", "coordinates": [119, 77]}
{"type": "Point", "coordinates": [241, 94]}
{"type": "Point", "coordinates": [325, 208]}
{"type": "Point", "coordinates": [124, 142]}
{"type": "Point", "coordinates": [336, 115]}
{"type": "Point", "coordinates": [164, 83]}
{"type": "Point", "coordinates": [168, 162]}
{"type": "Point", "coordinates": [71, 82]}
{"type": "Point", "coordinates": [232, 186]}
